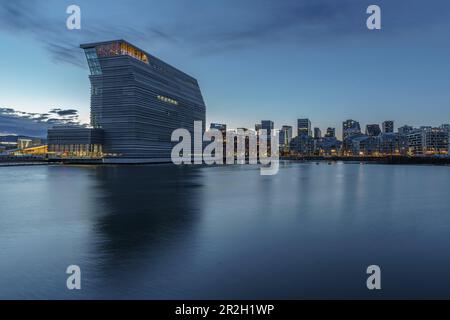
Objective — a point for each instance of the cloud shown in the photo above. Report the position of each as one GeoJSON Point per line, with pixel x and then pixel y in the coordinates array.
{"type": "Point", "coordinates": [66, 112]}
{"type": "Point", "coordinates": [35, 124]}
{"type": "Point", "coordinates": [205, 26]}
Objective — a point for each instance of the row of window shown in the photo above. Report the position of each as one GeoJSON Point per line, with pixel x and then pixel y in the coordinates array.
{"type": "Point", "coordinates": [168, 100]}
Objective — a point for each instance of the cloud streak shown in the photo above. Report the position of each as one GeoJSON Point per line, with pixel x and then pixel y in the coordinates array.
{"type": "Point", "coordinates": [35, 124]}
{"type": "Point", "coordinates": [203, 26]}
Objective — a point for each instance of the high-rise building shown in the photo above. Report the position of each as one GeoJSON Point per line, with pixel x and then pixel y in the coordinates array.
{"type": "Point", "coordinates": [268, 126]}
{"type": "Point", "coordinates": [317, 133]}
{"type": "Point", "coordinates": [388, 126]}
{"type": "Point", "coordinates": [392, 144]}
{"type": "Point", "coordinates": [428, 141]}
{"type": "Point", "coordinates": [445, 127]}
{"type": "Point", "coordinates": [405, 130]}
{"type": "Point", "coordinates": [285, 136]}
{"type": "Point", "coordinates": [138, 100]}
{"type": "Point", "coordinates": [303, 145]}
{"type": "Point", "coordinates": [331, 133]}
{"type": "Point", "coordinates": [304, 127]}
{"type": "Point", "coordinates": [350, 128]}
{"type": "Point", "coordinates": [436, 141]}
{"type": "Point", "coordinates": [219, 126]}
{"type": "Point", "coordinates": [373, 130]}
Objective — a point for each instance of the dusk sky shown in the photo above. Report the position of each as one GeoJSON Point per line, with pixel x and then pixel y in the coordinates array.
{"type": "Point", "coordinates": [254, 59]}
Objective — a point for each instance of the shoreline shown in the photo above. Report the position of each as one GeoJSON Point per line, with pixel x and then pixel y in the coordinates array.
{"type": "Point", "coordinates": [390, 160]}
{"type": "Point", "coordinates": [394, 160]}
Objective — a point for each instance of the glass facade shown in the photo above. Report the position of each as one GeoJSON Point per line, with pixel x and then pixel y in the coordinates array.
{"type": "Point", "coordinates": [77, 150]}
{"type": "Point", "coordinates": [75, 142]}
{"type": "Point", "coordinates": [120, 48]}
{"type": "Point", "coordinates": [92, 59]}
{"type": "Point", "coordinates": [136, 102]}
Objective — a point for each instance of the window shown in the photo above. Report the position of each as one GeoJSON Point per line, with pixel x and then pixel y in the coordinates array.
{"type": "Point", "coordinates": [168, 100]}
{"type": "Point", "coordinates": [120, 48]}
{"type": "Point", "coordinates": [92, 59]}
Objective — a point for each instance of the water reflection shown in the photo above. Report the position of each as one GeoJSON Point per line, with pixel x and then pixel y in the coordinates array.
{"type": "Point", "coordinates": [165, 232]}
{"type": "Point", "coordinates": [149, 213]}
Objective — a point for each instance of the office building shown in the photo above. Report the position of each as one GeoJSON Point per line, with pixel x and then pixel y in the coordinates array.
{"type": "Point", "coordinates": [327, 146]}
{"type": "Point", "coordinates": [304, 127]}
{"type": "Point", "coordinates": [373, 130]}
{"type": "Point", "coordinates": [436, 141]}
{"type": "Point", "coordinates": [445, 127]}
{"type": "Point", "coordinates": [428, 141]}
{"type": "Point", "coordinates": [405, 130]}
{"type": "Point", "coordinates": [219, 126]}
{"type": "Point", "coordinates": [75, 142]}
{"type": "Point", "coordinates": [350, 128]}
{"type": "Point", "coordinates": [317, 133]}
{"type": "Point", "coordinates": [393, 144]}
{"type": "Point", "coordinates": [138, 100]}
{"type": "Point", "coordinates": [302, 145]}
{"type": "Point", "coordinates": [331, 133]}
{"type": "Point", "coordinates": [388, 126]}
{"type": "Point", "coordinates": [268, 126]}
{"type": "Point", "coordinates": [285, 137]}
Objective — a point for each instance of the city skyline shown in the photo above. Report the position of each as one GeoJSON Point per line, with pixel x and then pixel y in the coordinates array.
{"type": "Point", "coordinates": [342, 71]}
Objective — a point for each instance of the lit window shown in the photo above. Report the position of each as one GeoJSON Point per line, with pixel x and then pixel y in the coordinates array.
{"type": "Point", "coordinates": [167, 100]}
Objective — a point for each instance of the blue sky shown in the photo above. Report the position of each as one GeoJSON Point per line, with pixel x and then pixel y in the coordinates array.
{"type": "Point", "coordinates": [254, 59]}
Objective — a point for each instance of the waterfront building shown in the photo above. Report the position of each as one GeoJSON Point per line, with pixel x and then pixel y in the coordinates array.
{"type": "Point", "coordinates": [428, 141]}
{"type": "Point", "coordinates": [392, 144]}
{"type": "Point", "coordinates": [219, 126]}
{"type": "Point", "coordinates": [327, 146]}
{"type": "Point", "coordinates": [302, 145]}
{"type": "Point", "coordinates": [223, 129]}
{"type": "Point", "coordinates": [24, 143]}
{"type": "Point", "coordinates": [137, 100]}
{"type": "Point", "coordinates": [369, 146]}
{"type": "Point", "coordinates": [416, 142]}
{"type": "Point", "coordinates": [361, 145]}
{"type": "Point", "coordinates": [268, 126]}
{"type": "Point", "coordinates": [331, 132]}
{"type": "Point", "coordinates": [317, 133]}
{"type": "Point", "coordinates": [388, 126]}
{"type": "Point", "coordinates": [285, 137]}
{"type": "Point", "coordinates": [304, 127]}
{"type": "Point", "coordinates": [405, 130]}
{"type": "Point", "coordinates": [373, 130]}
{"type": "Point", "coordinates": [75, 142]}
{"type": "Point", "coordinates": [39, 150]}
{"type": "Point", "coordinates": [350, 128]}
{"type": "Point", "coordinates": [436, 141]}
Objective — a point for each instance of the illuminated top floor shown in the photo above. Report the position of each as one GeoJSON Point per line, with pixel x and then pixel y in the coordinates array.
{"type": "Point", "coordinates": [121, 47]}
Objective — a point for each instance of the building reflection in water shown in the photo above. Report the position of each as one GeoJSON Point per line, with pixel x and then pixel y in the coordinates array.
{"type": "Point", "coordinates": [149, 216]}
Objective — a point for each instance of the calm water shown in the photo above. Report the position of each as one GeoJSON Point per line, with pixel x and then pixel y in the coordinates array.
{"type": "Point", "coordinates": [167, 232]}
